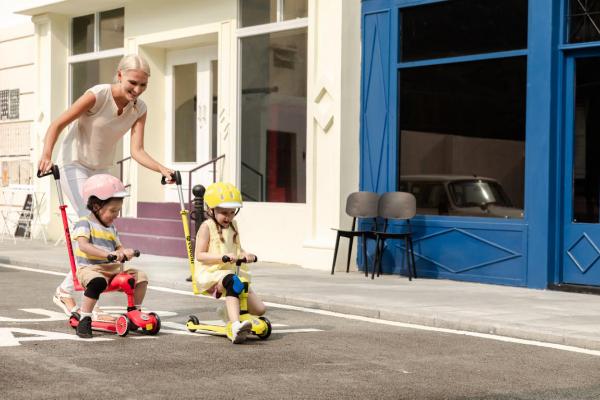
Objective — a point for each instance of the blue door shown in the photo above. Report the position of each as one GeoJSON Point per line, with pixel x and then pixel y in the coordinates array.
{"type": "Point", "coordinates": [581, 188]}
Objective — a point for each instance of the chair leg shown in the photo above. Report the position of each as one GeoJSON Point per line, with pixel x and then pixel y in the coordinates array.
{"type": "Point", "coordinates": [337, 244]}
{"type": "Point", "coordinates": [365, 259]}
{"type": "Point", "coordinates": [382, 246]}
{"type": "Point", "coordinates": [349, 254]}
{"type": "Point", "coordinates": [412, 254]}
{"type": "Point", "coordinates": [408, 260]}
{"type": "Point", "coordinates": [377, 257]}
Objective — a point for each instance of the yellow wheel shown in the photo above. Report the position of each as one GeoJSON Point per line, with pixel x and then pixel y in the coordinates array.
{"type": "Point", "coordinates": [267, 333]}
{"type": "Point", "coordinates": [194, 320]}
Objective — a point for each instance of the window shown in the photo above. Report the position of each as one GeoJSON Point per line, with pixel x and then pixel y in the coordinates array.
{"type": "Point", "coordinates": [96, 47]}
{"type": "Point", "coordinates": [583, 21]}
{"type": "Point", "coordinates": [259, 12]}
{"type": "Point", "coordinates": [273, 103]}
{"type": "Point", "coordinates": [464, 121]}
{"type": "Point", "coordinates": [461, 27]}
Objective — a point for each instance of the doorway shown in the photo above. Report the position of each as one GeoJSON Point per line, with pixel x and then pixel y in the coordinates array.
{"type": "Point", "coordinates": [191, 91]}
{"type": "Point", "coordinates": [581, 188]}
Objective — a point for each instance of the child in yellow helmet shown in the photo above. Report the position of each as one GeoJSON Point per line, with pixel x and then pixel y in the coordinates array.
{"type": "Point", "coordinates": [218, 236]}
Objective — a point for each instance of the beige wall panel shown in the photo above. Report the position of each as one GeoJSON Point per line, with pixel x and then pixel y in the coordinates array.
{"type": "Point", "coordinates": [22, 78]}
{"type": "Point", "coordinates": [151, 16]}
{"type": "Point", "coordinates": [17, 52]}
{"type": "Point", "coordinates": [26, 107]}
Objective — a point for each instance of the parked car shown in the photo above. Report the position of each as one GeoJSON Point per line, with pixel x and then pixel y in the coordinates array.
{"type": "Point", "coordinates": [459, 195]}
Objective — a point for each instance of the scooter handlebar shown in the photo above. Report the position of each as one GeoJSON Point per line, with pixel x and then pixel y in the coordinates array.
{"type": "Point", "coordinates": [239, 261]}
{"type": "Point", "coordinates": [53, 171]}
{"type": "Point", "coordinates": [113, 257]}
{"type": "Point", "coordinates": [176, 176]}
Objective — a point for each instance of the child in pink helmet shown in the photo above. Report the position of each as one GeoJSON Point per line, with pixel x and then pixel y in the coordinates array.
{"type": "Point", "coordinates": [97, 238]}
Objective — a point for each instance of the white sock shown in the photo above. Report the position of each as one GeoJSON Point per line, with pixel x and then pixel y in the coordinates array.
{"type": "Point", "coordinates": [82, 315]}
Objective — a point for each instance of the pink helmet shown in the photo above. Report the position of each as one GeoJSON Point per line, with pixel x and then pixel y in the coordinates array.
{"type": "Point", "coordinates": [103, 186]}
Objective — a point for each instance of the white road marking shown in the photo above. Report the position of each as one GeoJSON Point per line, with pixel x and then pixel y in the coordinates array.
{"type": "Point", "coordinates": [365, 319]}
{"type": "Point", "coordinates": [50, 316]}
{"type": "Point", "coordinates": [7, 338]}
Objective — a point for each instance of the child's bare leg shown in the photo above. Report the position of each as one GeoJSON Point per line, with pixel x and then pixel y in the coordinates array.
{"type": "Point", "coordinates": [140, 292]}
{"type": "Point", "coordinates": [233, 308]}
{"type": "Point", "coordinates": [88, 305]}
{"type": "Point", "coordinates": [255, 304]}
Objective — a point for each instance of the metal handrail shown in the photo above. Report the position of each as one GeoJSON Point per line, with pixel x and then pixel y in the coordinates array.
{"type": "Point", "coordinates": [261, 181]}
{"type": "Point", "coordinates": [210, 162]}
{"type": "Point", "coordinates": [121, 162]}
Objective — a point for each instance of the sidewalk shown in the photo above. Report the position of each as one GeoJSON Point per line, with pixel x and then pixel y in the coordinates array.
{"type": "Point", "coordinates": [557, 317]}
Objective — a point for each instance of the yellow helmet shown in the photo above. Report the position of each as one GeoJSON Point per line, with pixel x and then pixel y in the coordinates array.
{"type": "Point", "coordinates": [224, 195]}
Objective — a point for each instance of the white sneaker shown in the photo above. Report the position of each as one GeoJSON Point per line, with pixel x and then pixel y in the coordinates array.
{"type": "Point", "coordinates": [58, 300]}
{"type": "Point", "coordinates": [239, 331]}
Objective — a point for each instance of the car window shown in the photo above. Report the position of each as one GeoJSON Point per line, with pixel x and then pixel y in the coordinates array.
{"type": "Point", "coordinates": [428, 194]}
{"type": "Point", "coordinates": [471, 193]}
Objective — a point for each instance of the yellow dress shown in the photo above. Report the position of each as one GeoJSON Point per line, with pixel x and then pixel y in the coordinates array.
{"type": "Point", "coordinates": [208, 275]}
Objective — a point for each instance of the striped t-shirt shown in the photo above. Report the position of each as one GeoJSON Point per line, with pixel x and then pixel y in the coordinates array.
{"type": "Point", "coordinates": [99, 236]}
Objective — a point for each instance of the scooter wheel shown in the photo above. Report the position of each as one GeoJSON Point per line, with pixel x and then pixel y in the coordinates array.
{"type": "Point", "coordinates": [267, 333]}
{"type": "Point", "coordinates": [156, 327]}
{"type": "Point", "coordinates": [194, 320]}
{"type": "Point", "coordinates": [74, 319]}
{"type": "Point", "coordinates": [122, 325]}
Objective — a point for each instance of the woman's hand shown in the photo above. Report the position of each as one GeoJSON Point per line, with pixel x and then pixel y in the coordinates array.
{"type": "Point", "coordinates": [45, 164]}
{"type": "Point", "coordinates": [167, 173]}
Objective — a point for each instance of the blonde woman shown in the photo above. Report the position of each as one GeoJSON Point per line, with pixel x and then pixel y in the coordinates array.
{"type": "Point", "coordinates": [101, 116]}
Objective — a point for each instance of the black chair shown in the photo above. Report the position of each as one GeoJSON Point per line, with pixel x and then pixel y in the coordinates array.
{"type": "Point", "coordinates": [358, 205]}
{"type": "Point", "coordinates": [396, 206]}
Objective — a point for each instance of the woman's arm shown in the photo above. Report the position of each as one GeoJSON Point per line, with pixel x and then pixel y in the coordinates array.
{"type": "Point", "coordinates": [82, 105]}
{"type": "Point", "coordinates": [139, 154]}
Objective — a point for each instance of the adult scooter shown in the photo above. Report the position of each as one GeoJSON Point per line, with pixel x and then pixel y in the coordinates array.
{"type": "Point", "coordinates": [134, 318]}
{"type": "Point", "coordinates": [261, 326]}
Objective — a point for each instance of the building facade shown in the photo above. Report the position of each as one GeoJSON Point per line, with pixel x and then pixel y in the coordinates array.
{"type": "Point", "coordinates": [273, 86]}
{"type": "Point", "coordinates": [486, 111]}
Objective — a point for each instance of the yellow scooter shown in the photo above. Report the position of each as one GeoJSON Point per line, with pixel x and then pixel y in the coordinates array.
{"type": "Point", "coordinates": [186, 226]}
{"type": "Point", "coordinates": [261, 326]}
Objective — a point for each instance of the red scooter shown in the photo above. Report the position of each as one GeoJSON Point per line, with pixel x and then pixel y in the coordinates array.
{"type": "Point", "coordinates": [134, 318]}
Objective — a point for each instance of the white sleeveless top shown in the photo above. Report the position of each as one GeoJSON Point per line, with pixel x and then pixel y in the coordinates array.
{"type": "Point", "coordinates": [93, 137]}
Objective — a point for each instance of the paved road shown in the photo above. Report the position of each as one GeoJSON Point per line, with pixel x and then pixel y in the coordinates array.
{"type": "Point", "coordinates": [309, 355]}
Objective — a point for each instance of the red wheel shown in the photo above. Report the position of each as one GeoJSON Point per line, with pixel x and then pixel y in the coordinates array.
{"type": "Point", "coordinates": [156, 327]}
{"type": "Point", "coordinates": [122, 325]}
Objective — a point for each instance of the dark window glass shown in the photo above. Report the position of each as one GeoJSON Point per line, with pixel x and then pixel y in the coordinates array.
{"type": "Point", "coordinates": [83, 34]}
{"type": "Point", "coordinates": [112, 29]}
{"type": "Point", "coordinates": [295, 9]}
{"type": "Point", "coordinates": [86, 74]}
{"type": "Point", "coordinates": [586, 140]}
{"type": "Point", "coordinates": [257, 12]}
{"type": "Point", "coordinates": [462, 27]}
{"type": "Point", "coordinates": [584, 21]}
{"type": "Point", "coordinates": [184, 98]}
{"type": "Point", "coordinates": [466, 121]}
{"type": "Point", "coordinates": [273, 120]}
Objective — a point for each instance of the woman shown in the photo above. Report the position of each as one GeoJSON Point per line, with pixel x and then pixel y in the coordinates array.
{"type": "Point", "coordinates": [101, 116]}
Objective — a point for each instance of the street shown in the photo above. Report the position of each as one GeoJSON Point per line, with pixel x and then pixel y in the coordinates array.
{"type": "Point", "coordinates": [309, 355]}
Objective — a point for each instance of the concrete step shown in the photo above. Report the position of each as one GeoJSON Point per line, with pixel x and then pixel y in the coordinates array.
{"type": "Point", "coordinates": [154, 226]}
{"type": "Point", "coordinates": [155, 244]}
{"type": "Point", "coordinates": [158, 210]}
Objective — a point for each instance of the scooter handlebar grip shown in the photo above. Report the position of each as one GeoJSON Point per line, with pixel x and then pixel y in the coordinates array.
{"type": "Point", "coordinates": [225, 259]}
{"type": "Point", "coordinates": [113, 257]}
{"type": "Point", "coordinates": [54, 171]}
{"type": "Point", "coordinates": [176, 176]}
